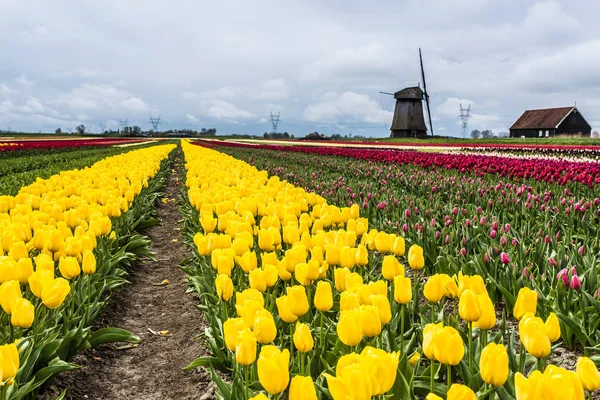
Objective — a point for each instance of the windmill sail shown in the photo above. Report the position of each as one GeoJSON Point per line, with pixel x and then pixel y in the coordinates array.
{"type": "Point", "coordinates": [425, 94]}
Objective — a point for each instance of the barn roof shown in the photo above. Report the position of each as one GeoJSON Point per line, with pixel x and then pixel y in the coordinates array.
{"type": "Point", "coordinates": [546, 118]}
{"type": "Point", "coordinates": [409, 93]}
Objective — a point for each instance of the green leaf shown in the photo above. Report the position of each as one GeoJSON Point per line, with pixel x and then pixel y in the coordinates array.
{"type": "Point", "coordinates": [203, 361]}
{"type": "Point", "coordinates": [112, 335]}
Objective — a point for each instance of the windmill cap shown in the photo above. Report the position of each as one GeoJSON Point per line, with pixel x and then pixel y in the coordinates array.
{"type": "Point", "coordinates": [409, 93]}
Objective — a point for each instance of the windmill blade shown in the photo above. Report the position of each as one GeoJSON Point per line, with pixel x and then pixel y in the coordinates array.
{"type": "Point", "coordinates": [426, 95]}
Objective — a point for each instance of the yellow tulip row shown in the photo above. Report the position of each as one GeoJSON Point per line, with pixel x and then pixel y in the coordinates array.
{"type": "Point", "coordinates": [278, 234]}
{"type": "Point", "coordinates": [51, 227]}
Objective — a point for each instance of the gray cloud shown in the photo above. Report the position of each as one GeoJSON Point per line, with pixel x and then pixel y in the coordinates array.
{"type": "Point", "coordinates": [322, 64]}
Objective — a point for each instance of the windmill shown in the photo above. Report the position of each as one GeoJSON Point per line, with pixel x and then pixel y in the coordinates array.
{"type": "Point", "coordinates": [409, 120]}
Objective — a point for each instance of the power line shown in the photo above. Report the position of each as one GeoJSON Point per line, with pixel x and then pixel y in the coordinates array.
{"type": "Point", "coordinates": [122, 123]}
{"type": "Point", "coordinates": [102, 126]}
{"type": "Point", "coordinates": [155, 122]}
{"type": "Point", "coordinates": [465, 114]}
{"type": "Point", "coordinates": [275, 121]}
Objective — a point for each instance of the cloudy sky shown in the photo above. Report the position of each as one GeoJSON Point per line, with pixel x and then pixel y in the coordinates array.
{"type": "Point", "coordinates": [321, 63]}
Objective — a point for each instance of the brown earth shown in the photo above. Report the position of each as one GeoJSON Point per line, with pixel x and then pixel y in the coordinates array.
{"type": "Point", "coordinates": [154, 369]}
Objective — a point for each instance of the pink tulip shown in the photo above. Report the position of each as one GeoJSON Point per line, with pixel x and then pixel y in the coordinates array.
{"type": "Point", "coordinates": [495, 225]}
{"type": "Point", "coordinates": [547, 239]}
{"type": "Point", "coordinates": [468, 223]}
{"type": "Point", "coordinates": [454, 211]}
{"type": "Point", "coordinates": [503, 241]}
{"type": "Point", "coordinates": [506, 228]}
{"type": "Point", "coordinates": [525, 273]}
{"type": "Point", "coordinates": [447, 240]}
{"type": "Point", "coordinates": [573, 270]}
{"type": "Point", "coordinates": [504, 258]}
{"type": "Point", "coordinates": [582, 251]}
{"type": "Point", "coordinates": [564, 276]}
{"type": "Point", "coordinates": [486, 258]}
{"type": "Point", "coordinates": [553, 262]}
{"type": "Point", "coordinates": [463, 251]}
{"type": "Point", "coordinates": [407, 213]}
{"type": "Point", "coordinates": [575, 282]}
{"type": "Point", "coordinates": [493, 234]}
{"type": "Point", "coordinates": [432, 222]}
{"type": "Point", "coordinates": [405, 228]}
{"type": "Point", "coordinates": [438, 234]}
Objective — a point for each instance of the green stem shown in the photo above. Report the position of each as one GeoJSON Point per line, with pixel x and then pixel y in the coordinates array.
{"type": "Point", "coordinates": [541, 364]}
{"type": "Point", "coordinates": [401, 328]}
{"type": "Point", "coordinates": [321, 328]}
{"type": "Point", "coordinates": [449, 372]}
{"type": "Point", "coordinates": [432, 376]}
{"type": "Point", "coordinates": [11, 337]}
{"type": "Point", "coordinates": [522, 359]}
{"type": "Point", "coordinates": [246, 380]}
{"type": "Point", "coordinates": [470, 346]}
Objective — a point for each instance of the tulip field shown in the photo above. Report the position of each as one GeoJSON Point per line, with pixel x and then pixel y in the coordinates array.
{"type": "Point", "coordinates": [322, 272]}
{"type": "Point", "coordinates": [361, 273]}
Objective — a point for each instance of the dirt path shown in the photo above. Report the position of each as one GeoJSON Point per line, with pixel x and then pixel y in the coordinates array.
{"type": "Point", "coordinates": [154, 369]}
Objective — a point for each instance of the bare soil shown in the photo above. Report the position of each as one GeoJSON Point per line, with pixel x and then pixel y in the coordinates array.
{"type": "Point", "coordinates": [152, 370]}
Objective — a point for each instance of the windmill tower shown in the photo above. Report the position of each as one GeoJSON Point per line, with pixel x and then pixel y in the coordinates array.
{"type": "Point", "coordinates": [409, 120]}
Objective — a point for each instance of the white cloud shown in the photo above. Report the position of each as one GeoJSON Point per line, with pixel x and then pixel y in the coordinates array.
{"type": "Point", "coordinates": [451, 108]}
{"type": "Point", "coordinates": [191, 117]}
{"type": "Point", "coordinates": [346, 106]}
{"type": "Point", "coordinates": [223, 110]}
{"type": "Point", "coordinates": [273, 90]}
{"type": "Point", "coordinates": [22, 80]}
{"type": "Point", "coordinates": [134, 104]}
{"type": "Point", "coordinates": [4, 89]}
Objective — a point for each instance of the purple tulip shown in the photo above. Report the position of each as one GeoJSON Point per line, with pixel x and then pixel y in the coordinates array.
{"type": "Point", "coordinates": [575, 282]}
{"type": "Point", "coordinates": [504, 258]}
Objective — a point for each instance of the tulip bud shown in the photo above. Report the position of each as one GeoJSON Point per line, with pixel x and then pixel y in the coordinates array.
{"type": "Point", "coordinates": [588, 374]}
{"type": "Point", "coordinates": [349, 327]}
{"type": "Point", "coordinates": [69, 267]}
{"type": "Point", "coordinates": [504, 258]}
{"type": "Point", "coordinates": [303, 340]}
{"type": "Point", "coordinates": [526, 302]}
{"type": "Point", "coordinates": [415, 257]}
{"type": "Point", "coordinates": [402, 290]}
{"type": "Point", "coordinates": [55, 292]}
{"type": "Point", "coordinates": [486, 258]}
{"type": "Point", "coordinates": [9, 362]}
{"type": "Point", "coordinates": [264, 327]}
{"type": "Point", "coordinates": [553, 262]}
{"type": "Point", "coordinates": [552, 327]}
{"type": "Point", "coordinates": [224, 287]}
{"type": "Point", "coordinates": [460, 392]}
{"type": "Point", "coordinates": [298, 302]}
{"type": "Point", "coordinates": [369, 320]}
{"type": "Point", "coordinates": [9, 292]}
{"type": "Point", "coordinates": [302, 388]}
{"type": "Point", "coordinates": [245, 349]}
{"type": "Point", "coordinates": [449, 347]}
{"type": "Point", "coordinates": [430, 332]}
{"type": "Point", "coordinates": [493, 364]}
{"type": "Point", "coordinates": [231, 328]}
{"type": "Point", "coordinates": [468, 306]}
{"type": "Point", "coordinates": [391, 267]}
{"type": "Point", "coordinates": [22, 313]}
{"type": "Point", "coordinates": [575, 282]}
{"type": "Point", "coordinates": [323, 300]}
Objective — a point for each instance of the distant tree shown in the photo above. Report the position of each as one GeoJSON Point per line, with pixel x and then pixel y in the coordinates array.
{"type": "Point", "coordinates": [596, 134]}
{"type": "Point", "coordinates": [502, 134]}
{"type": "Point", "coordinates": [336, 136]}
{"type": "Point", "coordinates": [292, 137]}
{"type": "Point", "coordinates": [475, 134]}
{"type": "Point", "coordinates": [486, 134]}
{"type": "Point", "coordinates": [58, 131]}
{"type": "Point", "coordinates": [80, 129]}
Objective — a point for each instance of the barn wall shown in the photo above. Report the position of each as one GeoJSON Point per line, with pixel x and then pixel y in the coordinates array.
{"type": "Point", "coordinates": [530, 133]}
{"type": "Point", "coordinates": [574, 124]}
{"type": "Point", "coordinates": [408, 115]}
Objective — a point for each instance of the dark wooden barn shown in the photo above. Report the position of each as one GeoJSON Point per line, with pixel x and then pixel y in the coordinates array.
{"type": "Point", "coordinates": [549, 122]}
{"type": "Point", "coordinates": [408, 114]}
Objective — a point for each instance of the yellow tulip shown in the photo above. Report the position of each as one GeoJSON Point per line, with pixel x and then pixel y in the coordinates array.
{"type": "Point", "coordinates": [353, 382]}
{"type": "Point", "coordinates": [433, 396]}
{"type": "Point", "coordinates": [88, 264]}
{"type": "Point", "coordinates": [332, 254]}
{"type": "Point", "coordinates": [245, 349]}
{"type": "Point", "coordinates": [8, 269]}
{"type": "Point", "coordinates": [399, 246]}
{"type": "Point", "coordinates": [224, 287]}
{"type": "Point", "coordinates": [247, 311]}
{"type": "Point", "coordinates": [450, 286]}
{"type": "Point", "coordinates": [301, 274]}
{"type": "Point", "coordinates": [264, 327]}
{"type": "Point", "coordinates": [416, 260]}
{"type": "Point", "coordinates": [9, 362]}
{"type": "Point", "coordinates": [474, 283]}
{"type": "Point", "coordinates": [339, 275]}
{"type": "Point", "coordinates": [460, 392]}
{"type": "Point", "coordinates": [258, 280]}
{"type": "Point", "coordinates": [468, 306]}
{"type": "Point", "coordinates": [414, 359]}
{"type": "Point", "coordinates": [44, 261]}
{"type": "Point", "coordinates": [271, 273]}
{"type": "Point", "coordinates": [323, 300]}
{"type": "Point", "coordinates": [487, 320]}
{"type": "Point", "coordinates": [588, 374]}
{"type": "Point", "coordinates": [208, 222]}
{"type": "Point", "coordinates": [298, 302]}
{"type": "Point", "coordinates": [391, 268]}
{"type": "Point", "coordinates": [18, 250]}
{"type": "Point", "coordinates": [384, 243]}
{"type": "Point", "coordinates": [9, 292]}
{"type": "Point", "coordinates": [552, 327]}
{"type": "Point", "coordinates": [386, 367]}
{"type": "Point", "coordinates": [247, 261]}
{"type": "Point", "coordinates": [266, 240]}
{"type": "Point", "coordinates": [402, 290]}
{"type": "Point", "coordinates": [55, 292]}
{"type": "Point", "coordinates": [38, 280]}
{"type": "Point", "coordinates": [349, 327]}
{"type": "Point", "coordinates": [273, 369]}
{"type": "Point", "coordinates": [283, 308]}
{"type": "Point", "coordinates": [370, 321]}
{"type": "Point", "coordinates": [249, 294]}
{"type": "Point", "coordinates": [493, 364]}
{"type": "Point", "coordinates": [24, 269]}
{"type": "Point", "coordinates": [22, 313]}
{"type": "Point", "coordinates": [533, 336]}
{"type": "Point", "coordinates": [526, 302]}
{"type": "Point", "coordinates": [284, 274]}
{"type": "Point", "coordinates": [449, 348]}
{"type": "Point", "coordinates": [430, 333]}
{"type": "Point", "coordinates": [303, 339]}
{"type": "Point", "coordinates": [434, 288]}
{"type": "Point", "coordinates": [231, 328]}
{"type": "Point", "coordinates": [302, 388]}
{"type": "Point", "coordinates": [314, 269]}
{"type": "Point", "coordinates": [260, 396]}
{"type": "Point", "coordinates": [361, 256]}
{"type": "Point", "coordinates": [347, 257]}
{"type": "Point", "coordinates": [383, 307]}
{"type": "Point", "coordinates": [69, 267]}
{"type": "Point", "coordinates": [554, 383]}
{"type": "Point", "coordinates": [353, 281]}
